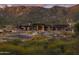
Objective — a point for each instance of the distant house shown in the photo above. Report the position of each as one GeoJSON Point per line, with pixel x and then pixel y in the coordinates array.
{"type": "Point", "coordinates": [39, 27]}
{"type": "Point", "coordinates": [60, 27]}
{"type": "Point", "coordinates": [26, 27]}
{"type": "Point", "coordinates": [8, 28]}
{"type": "Point", "coordinates": [48, 27]}
{"type": "Point", "coordinates": [44, 27]}
{"type": "Point", "coordinates": [36, 27]}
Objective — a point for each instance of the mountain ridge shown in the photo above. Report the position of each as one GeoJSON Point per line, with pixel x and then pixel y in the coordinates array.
{"type": "Point", "coordinates": [23, 14]}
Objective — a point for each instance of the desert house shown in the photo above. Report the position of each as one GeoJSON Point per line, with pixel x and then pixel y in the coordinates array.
{"type": "Point", "coordinates": [44, 27]}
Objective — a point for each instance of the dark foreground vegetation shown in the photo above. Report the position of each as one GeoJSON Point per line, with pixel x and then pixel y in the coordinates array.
{"type": "Point", "coordinates": [40, 46]}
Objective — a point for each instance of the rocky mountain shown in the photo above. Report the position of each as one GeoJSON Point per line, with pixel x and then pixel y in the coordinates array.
{"type": "Point", "coordinates": [22, 14]}
{"type": "Point", "coordinates": [74, 12]}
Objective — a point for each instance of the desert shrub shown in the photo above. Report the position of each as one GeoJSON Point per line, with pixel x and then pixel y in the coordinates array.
{"type": "Point", "coordinates": [37, 47]}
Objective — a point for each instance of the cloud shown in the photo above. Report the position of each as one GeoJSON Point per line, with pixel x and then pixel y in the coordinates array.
{"type": "Point", "coordinates": [41, 5]}
{"type": "Point", "coordinates": [63, 5]}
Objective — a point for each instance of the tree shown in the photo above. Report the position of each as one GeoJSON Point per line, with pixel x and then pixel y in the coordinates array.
{"type": "Point", "coordinates": [77, 28]}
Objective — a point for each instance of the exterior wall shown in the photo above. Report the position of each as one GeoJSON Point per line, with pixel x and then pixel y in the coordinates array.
{"type": "Point", "coordinates": [43, 27]}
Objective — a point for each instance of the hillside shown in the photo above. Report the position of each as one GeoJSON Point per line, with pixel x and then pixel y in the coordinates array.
{"type": "Point", "coordinates": [23, 14]}
{"type": "Point", "coordinates": [74, 12]}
